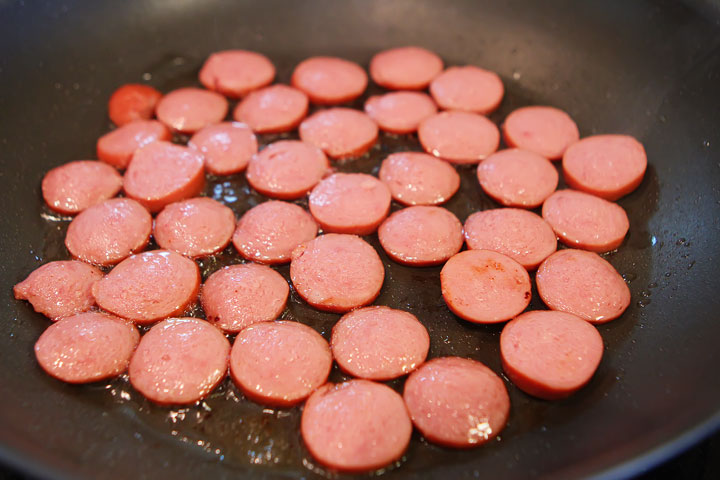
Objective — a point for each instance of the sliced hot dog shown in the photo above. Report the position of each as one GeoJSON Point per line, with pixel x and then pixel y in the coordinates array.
{"type": "Point", "coordinates": [75, 186]}
{"type": "Point", "coordinates": [416, 178]}
{"type": "Point", "coordinates": [133, 102]}
{"type": "Point", "coordinates": [226, 147]}
{"type": "Point", "coordinates": [400, 112]}
{"type": "Point", "coordinates": [547, 131]}
{"type": "Point", "coordinates": [339, 132]}
{"type": "Point", "coordinates": [274, 109]}
{"type": "Point", "coordinates": [117, 147]}
{"type": "Point", "coordinates": [235, 73]}
{"type": "Point", "coordinates": [468, 88]}
{"type": "Point", "coordinates": [459, 137]}
{"type": "Point", "coordinates": [330, 80]}
{"type": "Point", "coordinates": [405, 68]}
{"type": "Point", "coordinates": [188, 110]}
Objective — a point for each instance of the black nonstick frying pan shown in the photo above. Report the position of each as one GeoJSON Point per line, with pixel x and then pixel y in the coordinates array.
{"type": "Point", "coordinates": [649, 69]}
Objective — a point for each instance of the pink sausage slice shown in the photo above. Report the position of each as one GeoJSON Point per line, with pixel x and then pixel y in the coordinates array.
{"type": "Point", "coordinates": [405, 68]}
{"type": "Point", "coordinates": [457, 402]}
{"type": "Point", "coordinates": [132, 102]}
{"type": "Point", "coordinates": [517, 178]}
{"type": "Point", "coordinates": [162, 173]}
{"type": "Point", "coordinates": [108, 232]}
{"type": "Point", "coordinates": [468, 89]}
{"type": "Point", "coordinates": [550, 354]}
{"type": "Point", "coordinates": [547, 131]}
{"type": "Point", "coordinates": [179, 361]}
{"type": "Point", "coordinates": [416, 178]}
{"type": "Point", "coordinates": [226, 147]}
{"type": "Point", "coordinates": [339, 132]}
{"type": "Point", "coordinates": [241, 295]}
{"type": "Point", "coordinates": [609, 166]}
{"type": "Point", "coordinates": [519, 234]}
{"type": "Point", "coordinates": [287, 169]}
{"type": "Point", "coordinates": [379, 343]}
{"type": "Point", "coordinates": [149, 286]}
{"type": "Point", "coordinates": [584, 284]}
{"type": "Point", "coordinates": [459, 137]}
{"type": "Point", "coordinates": [400, 112]}
{"type": "Point", "coordinates": [355, 426]}
{"type": "Point", "coordinates": [484, 287]}
{"type": "Point", "coordinates": [421, 235]}
{"type": "Point", "coordinates": [279, 363]}
{"type": "Point", "coordinates": [353, 203]}
{"type": "Point", "coordinates": [585, 221]}
{"type": "Point", "coordinates": [337, 273]}
{"type": "Point", "coordinates": [59, 289]}
{"type": "Point", "coordinates": [188, 110]}
{"type": "Point", "coordinates": [329, 80]}
{"type": "Point", "coordinates": [116, 148]}
{"type": "Point", "coordinates": [87, 347]}
{"type": "Point", "coordinates": [75, 186]}
{"type": "Point", "coordinates": [273, 109]}
{"type": "Point", "coordinates": [194, 228]}
{"type": "Point", "coordinates": [269, 232]}
{"type": "Point", "coordinates": [235, 73]}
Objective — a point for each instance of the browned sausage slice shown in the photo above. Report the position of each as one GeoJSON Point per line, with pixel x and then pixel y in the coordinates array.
{"type": "Point", "coordinates": [339, 132]}
{"type": "Point", "coordinates": [416, 178]}
{"type": "Point", "coordinates": [459, 137]}
{"type": "Point", "coordinates": [405, 68]}
{"type": "Point", "coordinates": [355, 426]}
{"type": "Point", "coordinates": [117, 147]}
{"type": "Point", "coordinates": [59, 289]}
{"type": "Point", "coordinates": [400, 112]}
{"type": "Point", "coordinates": [75, 186]}
{"type": "Point", "coordinates": [133, 102]}
{"type": "Point", "coordinates": [279, 363]}
{"type": "Point", "coordinates": [188, 110]}
{"type": "Point", "coordinates": [547, 131]}
{"type": "Point", "coordinates": [330, 80]}
{"type": "Point", "coordinates": [274, 109]}
{"type": "Point", "coordinates": [226, 147]}
{"type": "Point", "coordinates": [235, 73]}
{"type": "Point", "coordinates": [86, 347]}
{"type": "Point", "coordinates": [469, 89]}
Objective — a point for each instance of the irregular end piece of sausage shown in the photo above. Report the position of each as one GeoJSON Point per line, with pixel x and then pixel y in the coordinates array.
{"type": "Point", "coordinates": [400, 112]}
{"type": "Point", "coordinates": [133, 102]}
{"type": "Point", "coordinates": [116, 148]}
{"type": "Point", "coordinates": [547, 131]}
{"type": "Point", "coordinates": [179, 361]}
{"type": "Point", "coordinates": [457, 402]}
{"type": "Point", "coordinates": [421, 235]}
{"type": "Point", "coordinates": [584, 284]}
{"type": "Point", "coordinates": [355, 426]}
{"type": "Point", "coordinates": [241, 295]}
{"type": "Point", "coordinates": [86, 347]}
{"type": "Point", "coordinates": [459, 137]}
{"type": "Point", "coordinates": [416, 178]}
{"type": "Point", "coordinates": [274, 109]}
{"type": "Point", "coordinates": [405, 68]}
{"type": "Point", "coordinates": [75, 186]}
{"type": "Point", "coordinates": [188, 110]}
{"type": "Point", "coordinates": [484, 287]}
{"type": "Point", "coordinates": [149, 286]}
{"type": "Point", "coordinates": [279, 363]}
{"type": "Point", "coordinates": [339, 132]}
{"type": "Point", "coordinates": [379, 343]}
{"type": "Point", "coordinates": [235, 73]}
{"type": "Point", "coordinates": [468, 89]}
{"type": "Point", "coordinates": [226, 147]}
{"type": "Point", "coordinates": [329, 80]}
{"type": "Point", "coordinates": [59, 289]}
{"type": "Point", "coordinates": [337, 272]}
{"type": "Point", "coordinates": [550, 354]}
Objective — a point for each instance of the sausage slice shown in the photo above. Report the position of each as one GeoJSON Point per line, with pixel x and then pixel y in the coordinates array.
{"type": "Point", "coordinates": [226, 147]}
{"type": "Point", "coordinates": [117, 147]}
{"type": "Point", "coordinates": [329, 80]}
{"type": "Point", "coordinates": [339, 132]}
{"type": "Point", "coordinates": [459, 137]}
{"type": "Point", "coordinates": [188, 110]}
{"type": "Point", "coordinates": [405, 68]}
{"type": "Point", "coordinates": [274, 109]}
{"type": "Point", "coordinates": [75, 186]}
{"type": "Point", "coordinates": [133, 102]}
{"type": "Point", "coordinates": [547, 131]}
{"type": "Point", "coordinates": [235, 73]}
{"type": "Point", "coordinates": [400, 112]}
{"type": "Point", "coordinates": [416, 178]}
{"type": "Point", "coordinates": [468, 89]}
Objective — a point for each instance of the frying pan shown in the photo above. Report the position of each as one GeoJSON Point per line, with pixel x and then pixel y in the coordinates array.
{"type": "Point", "coordinates": [648, 69]}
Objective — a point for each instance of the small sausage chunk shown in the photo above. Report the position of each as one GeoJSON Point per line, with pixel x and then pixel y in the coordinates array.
{"type": "Point", "coordinates": [59, 289]}
{"type": "Point", "coordinates": [421, 236]}
{"type": "Point", "coordinates": [337, 273]}
{"type": "Point", "coordinates": [584, 284]}
{"type": "Point", "coordinates": [405, 68]}
{"type": "Point", "coordinates": [400, 112]}
{"type": "Point", "coordinates": [457, 402]}
{"type": "Point", "coordinates": [133, 102]}
{"type": "Point", "coordinates": [355, 426]}
{"type": "Point", "coordinates": [329, 80]}
{"type": "Point", "coordinates": [459, 137]}
{"type": "Point", "coordinates": [484, 287]}
{"type": "Point", "coordinates": [235, 73]}
{"type": "Point", "coordinates": [116, 148]}
{"type": "Point", "coordinates": [75, 186]}
{"type": "Point", "coordinates": [87, 347]}
{"type": "Point", "coordinates": [353, 203]}
{"type": "Point", "coordinates": [194, 228]}
{"type": "Point", "coordinates": [517, 178]}
{"type": "Point", "coordinates": [550, 354]}
{"type": "Point", "coordinates": [179, 361]}
{"type": "Point", "coordinates": [226, 147]}
{"type": "Point", "coordinates": [416, 178]}
{"type": "Point", "coordinates": [339, 132]}
{"type": "Point", "coordinates": [162, 173]}
{"type": "Point", "coordinates": [468, 89]}
{"type": "Point", "coordinates": [609, 166]}
{"type": "Point", "coordinates": [379, 343]}
{"type": "Point", "coordinates": [188, 110]}
{"type": "Point", "coordinates": [279, 363]}
{"type": "Point", "coordinates": [547, 131]}
{"type": "Point", "coordinates": [269, 232]}
{"type": "Point", "coordinates": [108, 232]}
{"type": "Point", "coordinates": [287, 169]}
{"type": "Point", "coordinates": [241, 295]}
{"type": "Point", "coordinates": [519, 234]}
{"type": "Point", "coordinates": [149, 286]}
{"type": "Point", "coordinates": [273, 109]}
{"type": "Point", "coordinates": [585, 221]}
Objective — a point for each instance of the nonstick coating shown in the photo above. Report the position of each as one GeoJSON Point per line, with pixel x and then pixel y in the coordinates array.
{"type": "Point", "coordinates": [648, 69]}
